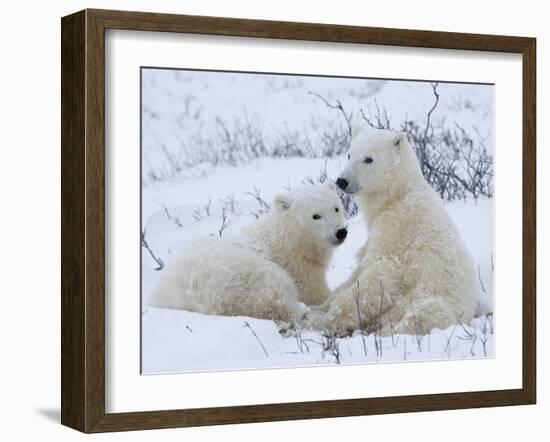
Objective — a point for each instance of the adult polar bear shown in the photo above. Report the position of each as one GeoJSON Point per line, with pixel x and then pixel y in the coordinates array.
{"type": "Point", "coordinates": [276, 265]}
{"type": "Point", "coordinates": [414, 272]}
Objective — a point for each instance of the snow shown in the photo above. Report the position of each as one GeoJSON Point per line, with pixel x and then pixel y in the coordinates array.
{"type": "Point", "coordinates": [180, 112]}
{"type": "Point", "coordinates": [178, 341]}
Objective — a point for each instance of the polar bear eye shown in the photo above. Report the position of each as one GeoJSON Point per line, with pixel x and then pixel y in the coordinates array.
{"type": "Point", "coordinates": [368, 160]}
{"type": "Point", "coordinates": [316, 216]}
{"type": "Point", "coordinates": [349, 156]}
{"type": "Point", "coordinates": [336, 209]}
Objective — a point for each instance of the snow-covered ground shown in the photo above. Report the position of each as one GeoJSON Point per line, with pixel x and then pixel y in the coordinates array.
{"type": "Point", "coordinates": [185, 189]}
{"type": "Point", "coordinates": [178, 341]}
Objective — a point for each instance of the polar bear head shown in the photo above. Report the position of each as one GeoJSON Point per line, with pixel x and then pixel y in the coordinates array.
{"type": "Point", "coordinates": [312, 214]}
{"type": "Point", "coordinates": [377, 159]}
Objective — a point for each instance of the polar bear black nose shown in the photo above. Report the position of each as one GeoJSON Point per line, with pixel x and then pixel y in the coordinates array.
{"type": "Point", "coordinates": [341, 234]}
{"type": "Point", "coordinates": [342, 183]}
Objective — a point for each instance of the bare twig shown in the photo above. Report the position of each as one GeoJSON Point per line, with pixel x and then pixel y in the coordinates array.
{"type": "Point", "coordinates": [247, 325]}
{"type": "Point", "coordinates": [301, 343]}
{"type": "Point", "coordinates": [378, 320]}
{"type": "Point", "coordinates": [436, 94]}
{"type": "Point", "coordinates": [452, 334]}
{"type": "Point", "coordinates": [417, 336]}
{"type": "Point", "coordinates": [394, 341]}
{"type": "Point", "coordinates": [198, 211]}
{"type": "Point", "coordinates": [480, 280]}
{"type": "Point", "coordinates": [171, 217]}
{"type": "Point", "coordinates": [331, 345]}
{"type": "Point", "coordinates": [230, 203]}
{"type": "Point", "coordinates": [337, 106]}
{"type": "Point", "coordinates": [224, 223]}
{"type": "Point", "coordinates": [160, 264]}
{"type": "Point", "coordinates": [359, 317]}
{"type": "Point", "coordinates": [486, 330]}
{"type": "Point", "coordinates": [264, 205]}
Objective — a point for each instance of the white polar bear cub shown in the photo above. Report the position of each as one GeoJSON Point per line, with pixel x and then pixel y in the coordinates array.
{"type": "Point", "coordinates": [269, 271]}
{"type": "Point", "coordinates": [414, 272]}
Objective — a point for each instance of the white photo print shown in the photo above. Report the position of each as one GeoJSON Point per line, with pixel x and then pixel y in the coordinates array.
{"type": "Point", "coordinates": [292, 220]}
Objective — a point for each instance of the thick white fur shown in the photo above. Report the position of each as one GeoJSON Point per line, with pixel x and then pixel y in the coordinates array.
{"type": "Point", "coordinates": [414, 272]}
{"type": "Point", "coordinates": [269, 271]}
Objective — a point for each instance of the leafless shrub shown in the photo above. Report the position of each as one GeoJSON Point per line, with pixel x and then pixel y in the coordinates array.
{"type": "Point", "coordinates": [362, 325]}
{"type": "Point", "coordinates": [293, 143]}
{"type": "Point", "coordinates": [332, 346]}
{"type": "Point", "coordinates": [377, 323]}
{"type": "Point", "coordinates": [490, 325]}
{"type": "Point", "coordinates": [394, 340]}
{"type": "Point", "coordinates": [448, 344]}
{"type": "Point", "coordinates": [241, 142]}
{"type": "Point", "coordinates": [351, 208]}
{"type": "Point", "coordinates": [452, 162]}
{"type": "Point", "coordinates": [486, 332]}
{"type": "Point", "coordinates": [172, 218]}
{"type": "Point", "coordinates": [469, 336]}
{"type": "Point", "coordinates": [329, 344]}
{"type": "Point", "coordinates": [381, 118]}
{"type": "Point", "coordinates": [417, 335]}
{"type": "Point", "coordinates": [224, 224]}
{"type": "Point", "coordinates": [231, 205]}
{"type": "Point", "coordinates": [321, 178]}
{"type": "Point", "coordinates": [481, 285]}
{"type": "Point", "coordinates": [199, 213]}
{"type": "Point", "coordinates": [264, 206]}
{"type": "Point", "coordinates": [334, 138]}
{"type": "Point", "coordinates": [483, 334]}
{"type": "Point", "coordinates": [301, 343]}
{"type": "Point", "coordinates": [244, 139]}
{"type": "Point", "coordinates": [145, 244]}
{"type": "Point", "coordinates": [172, 160]}
{"type": "Point", "coordinates": [338, 106]}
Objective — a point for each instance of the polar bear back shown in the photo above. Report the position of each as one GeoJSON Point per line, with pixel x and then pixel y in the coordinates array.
{"type": "Point", "coordinates": [227, 277]}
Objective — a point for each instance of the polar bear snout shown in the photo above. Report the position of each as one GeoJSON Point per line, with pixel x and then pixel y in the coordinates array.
{"type": "Point", "coordinates": [341, 234]}
{"type": "Point", "coordinates": [342, 183]}
{"type": "Point", "coordinates": [348, 185]}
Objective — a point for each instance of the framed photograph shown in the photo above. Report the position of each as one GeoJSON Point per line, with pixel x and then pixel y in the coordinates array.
{"type": "Point", "coordinates": [269, 220]}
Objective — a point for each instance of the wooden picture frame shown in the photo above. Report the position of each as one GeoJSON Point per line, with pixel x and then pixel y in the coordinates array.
{"type": "Point", "coordinates": [83, 220]}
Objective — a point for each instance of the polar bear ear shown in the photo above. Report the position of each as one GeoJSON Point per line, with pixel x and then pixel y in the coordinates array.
{"type": "Point", "coordinates": [282, 202]}
{"type": "Point", "coordinates": [399, 140]}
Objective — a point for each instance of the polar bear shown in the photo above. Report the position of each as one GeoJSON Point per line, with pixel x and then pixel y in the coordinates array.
{"type": "Point", "coordinates": [414, 272]}
{"type": "Point", "coordinates": [270, 270]}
